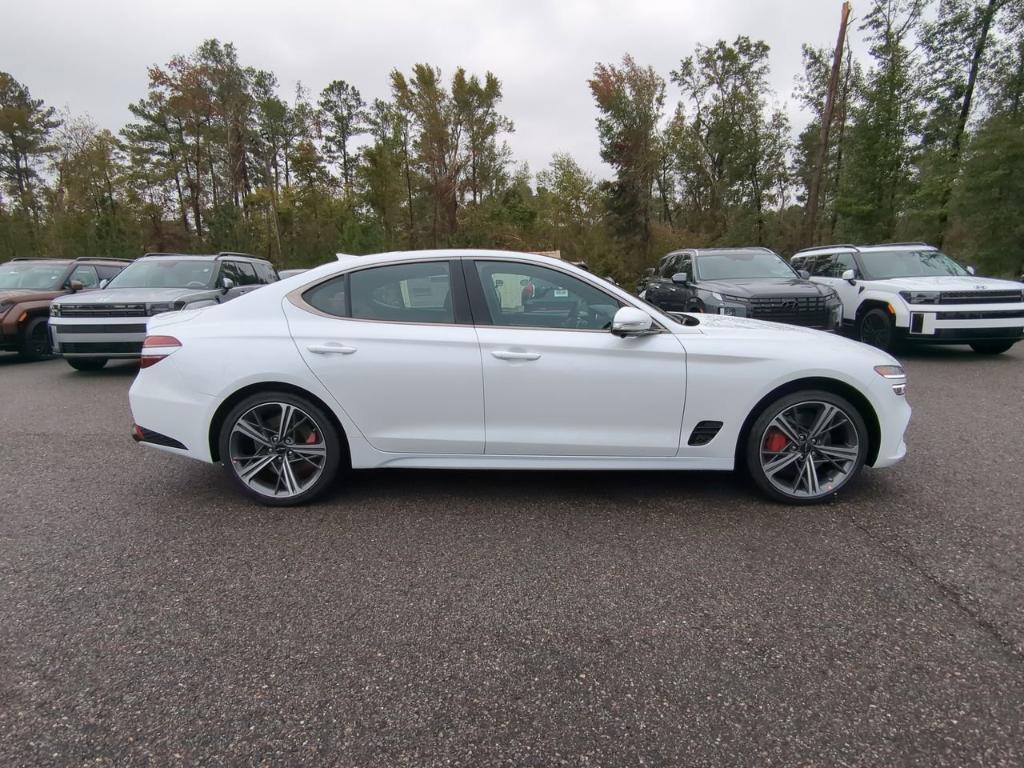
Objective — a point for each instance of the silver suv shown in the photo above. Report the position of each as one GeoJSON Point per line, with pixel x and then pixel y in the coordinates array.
{"type": "Point", "coordinates": [87, 330]}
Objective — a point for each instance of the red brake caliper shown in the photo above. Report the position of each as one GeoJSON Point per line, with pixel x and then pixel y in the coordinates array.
{"type": "Point", "coordinates": [775, 441]}
{"type": "Point", "coordinates": [312, 439]}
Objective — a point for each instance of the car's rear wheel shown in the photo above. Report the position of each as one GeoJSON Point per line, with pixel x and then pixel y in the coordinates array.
{"type": "Point", "coordinates": [86, 363]}
{"type": "Point", "coordinates": [875, 327]}
{"type": "Point", "coordinates": [991, 347]}
{"type": "Point", "coordinates": [281, 449]}
{"type": "Point", "coordinates": [805, 447]}
{"type": "Point", "coordinates": [35, 341]}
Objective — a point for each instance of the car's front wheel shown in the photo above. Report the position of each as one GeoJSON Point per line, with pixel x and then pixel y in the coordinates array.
{"type": "Point", "coordinates": [991, 347]}
{"type": "Point", "coordinates": [86, 363]}
{"type": "Point", "coordinates": [805, 447]}
{"type": "Point", "coordinates": [875, 327]}
{"type": "Point", "coordinates": [35, 342]}
{"type": "Point", "coordinates": [281, 449]}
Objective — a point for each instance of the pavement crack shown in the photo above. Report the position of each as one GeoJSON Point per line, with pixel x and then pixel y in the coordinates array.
{"type": "Point", "coordinates": [953, 596]}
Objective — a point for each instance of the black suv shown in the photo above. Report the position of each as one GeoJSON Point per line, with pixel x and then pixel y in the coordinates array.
{"type": "Point", "coordinates": [745, 282]}
{"type": "Point", "coordinates": [88, 330]}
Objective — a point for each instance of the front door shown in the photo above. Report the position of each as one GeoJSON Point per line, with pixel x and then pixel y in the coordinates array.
{"type": "Point", "coordinates": [556, 381]}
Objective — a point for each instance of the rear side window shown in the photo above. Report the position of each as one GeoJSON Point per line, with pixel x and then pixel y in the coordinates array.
{"type": "Point", "coordinates": [329, 297]}
{"type": "Point", "coordinates": [408, 293]}
{"type": "Point", "coordinates": [106, 273]}
{"type": "Point", "coordinates": [265, 272]}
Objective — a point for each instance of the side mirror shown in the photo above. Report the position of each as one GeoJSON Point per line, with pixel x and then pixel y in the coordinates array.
{"type": "Point", "coordinates": [681, 278]}
{"type": "Point", "coordinates": [75, 286]}
{"type": "Point", "coordinates": [103, 283]}
{"type": "Point", "coordinates": [804, 274]}
{"type": "Point", "coordinates": [970, 270]}
{"type": "Point", "coordinates": [227, 284]}
{"type": "Point", "coordinates": [630, 321]}
{"type": "Point", "coordinates": [850, 276]}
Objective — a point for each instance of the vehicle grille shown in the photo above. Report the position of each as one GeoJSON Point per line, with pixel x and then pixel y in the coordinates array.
{"type": "Point", "coordinates": [102, 310]}
{"type": "Point", "coordinates": [979, 333]}
{"type": "Point", "coordinates": [796, 310]}
{"type": "Point", "coordinates": [102, 348]}
{"type": "Point", "coordinates": [979, 315]}
{"type": "Point", "coordinates": [126, 328]}
{"type": "Point", "coordinates": [980, 297]}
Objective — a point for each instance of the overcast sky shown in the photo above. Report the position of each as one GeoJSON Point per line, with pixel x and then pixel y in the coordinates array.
{"type": "Point", "coordinates": [91, 57]}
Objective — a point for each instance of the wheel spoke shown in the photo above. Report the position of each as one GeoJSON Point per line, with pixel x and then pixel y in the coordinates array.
{"type": "Point", "coordinates": [786, 427]}
{"type": "Point", "coordinates": [254, 468]}
{"type": "Point", "coordinates": [251, 431]}
{"type": "Point", "coordinates": [810, 476]}
{"type": "Point", "coordinates": [284, 425]}
{"type": "Point", "coordinates": [779, 463]}
{"type": "Point", "coordinates": [840, 452]}
{"type": "Point", "coordinates": [824, 421]}
{"type": "Point", "coordinates": [291, 483]}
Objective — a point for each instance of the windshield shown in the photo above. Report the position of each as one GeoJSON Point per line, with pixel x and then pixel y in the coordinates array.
{"type": "Point", "coordinates": [878, 265]}
{"type": "Point", "coordinates": [742, 265]}
{"type": "Point", "coordinates": [167, 273]}
{"type": "Point", "coordinates": [32, 277]}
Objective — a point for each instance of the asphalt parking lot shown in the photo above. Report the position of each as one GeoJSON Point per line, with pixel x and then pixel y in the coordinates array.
{"type": "Point", "coordinates": [150, 615]}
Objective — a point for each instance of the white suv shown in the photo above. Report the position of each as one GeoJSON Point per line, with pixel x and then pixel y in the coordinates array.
{"type": "Point", "coordinates": [913, 292]}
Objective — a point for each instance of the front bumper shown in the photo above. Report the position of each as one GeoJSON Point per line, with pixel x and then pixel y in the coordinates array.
{"type": "Point", "coordinates": [107, 337]}
{"type": "Point", "coordinates": [959, 323]}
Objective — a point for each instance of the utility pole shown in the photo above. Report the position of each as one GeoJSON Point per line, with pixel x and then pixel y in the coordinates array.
{"type": "Point", "coordinates": [814, 193]}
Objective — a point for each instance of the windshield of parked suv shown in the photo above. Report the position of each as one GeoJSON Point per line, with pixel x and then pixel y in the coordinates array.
{"type": "Point", "coordinates": [31, 276]}
{"type": "Point", "coordinates": [879, 265]}
{"type": "Point", "coordinates": [741, 265]}
{"type": "Point", "coordinates": [167, 273]}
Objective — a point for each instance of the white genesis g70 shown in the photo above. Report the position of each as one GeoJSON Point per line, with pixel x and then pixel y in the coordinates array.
{"type": "Point", "coordinates": [498, 360]}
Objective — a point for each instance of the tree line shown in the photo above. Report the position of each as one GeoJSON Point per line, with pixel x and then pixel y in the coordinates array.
{"type": "Point", "coordinates": [925, 142]}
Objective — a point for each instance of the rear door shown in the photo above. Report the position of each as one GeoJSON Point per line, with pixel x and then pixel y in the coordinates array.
{"type": "Point", "coordinates": [396, 347]}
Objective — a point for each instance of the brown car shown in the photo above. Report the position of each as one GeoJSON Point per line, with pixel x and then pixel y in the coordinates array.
{"type": "Point", "coordinates": [27, 286]}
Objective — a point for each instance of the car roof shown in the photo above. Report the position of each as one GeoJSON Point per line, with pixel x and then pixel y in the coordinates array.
{"type": "Point", "coordinates": [722, 249]}
{"type": "Point", "coordinates": [205, 256]}
{"type": "Point", "coordinates": [78, 260]}
{"type": "Point", "coordinates": [443, 253]}
{"type": "Point", "coordinates": [848, 248]}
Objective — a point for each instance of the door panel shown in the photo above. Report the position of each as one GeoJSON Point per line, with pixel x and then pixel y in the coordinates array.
{"type": "Point", "coordinates": [410, 387]}
{"type": "Point", "coordinates": [581, 393]}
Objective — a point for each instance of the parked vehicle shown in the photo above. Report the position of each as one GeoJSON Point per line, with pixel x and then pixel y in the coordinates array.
{"type": "Point", "coordinates": [912, 292]}
{"type": "Point", "coordinates": [28, 285]}
{"type": "Point", "coordinates": [743, 282]}
{"type": "Point", "coordinates": [284, 274]}
{"type": "Point", "coordinates": [420, 360]}
{"type": "Point", "coordinates": [88, 330]}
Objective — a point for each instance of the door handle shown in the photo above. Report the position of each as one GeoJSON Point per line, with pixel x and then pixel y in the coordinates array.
{"type": "Point", "coordinates": [505, 354]}
{"type": "Point", "coordinates": [331, 349]}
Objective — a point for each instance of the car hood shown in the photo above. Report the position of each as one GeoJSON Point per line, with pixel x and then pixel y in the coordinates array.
{"type": "Point", "coordinates": [782, 286]}
{"type": "Point", "coordinates": [17, 296]}
{"type": "Point", "coordinates": [132, 296]}
{"type": "Point", "coordinates": [948, 283]}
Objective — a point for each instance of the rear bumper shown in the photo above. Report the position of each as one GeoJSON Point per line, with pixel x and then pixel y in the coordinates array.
{"type": "Point", "coordinates": [173, 417]}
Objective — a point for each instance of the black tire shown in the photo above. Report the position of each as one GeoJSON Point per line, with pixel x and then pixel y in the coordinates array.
{"type": "Point", "coordinates": [759, 434]}
{"type": "Point", "coordinates": [86, 363]}
{"type": "Point", "coordinates": [322, 426]}
{"type": "Point", "coordinates": [991, 347]}
{"type": "Point", "coordinates": [35, 341]}
{"type": "Point", "coordinates": [875, 327]}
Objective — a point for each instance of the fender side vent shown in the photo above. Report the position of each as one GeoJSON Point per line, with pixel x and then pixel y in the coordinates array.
{"type": "Point", "coordinates": [704, 432]}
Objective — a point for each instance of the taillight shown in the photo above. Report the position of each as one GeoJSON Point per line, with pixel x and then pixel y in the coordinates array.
{"type": "Point", "coordinates": [156, 348]}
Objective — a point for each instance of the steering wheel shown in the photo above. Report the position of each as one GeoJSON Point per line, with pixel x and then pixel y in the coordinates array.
{"type": "Point", "coordinates": [195, 284]}
{"type": "Point", "coordinates": [573, 316]}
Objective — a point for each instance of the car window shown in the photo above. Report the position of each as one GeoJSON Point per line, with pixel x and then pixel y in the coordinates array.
{"type": "Point", "coordinates": [329, 297]}
{"type": "Point", "coordinates": [86, 275]}
{"type": "Point", "coordinates": [163, 272]}
{"type": "Point", "coordinates": [669, 267]}
{"type": "Point", "coordinates": [686, 265]}
{"type": "Point", "coordinates": [229, 270]}
{"type": "Point", "coordinates": [265, 272]}
{"type": "Point", "coordinates": [842, 262]}
{"type": "Point", "coordinates": [409, 293]}
{"type": "Point", "coordinates": [246, 273]}
{"type": "Point", "coordinates": [33, 277]}
{"type": "Point", "coordinates": [529, 295]}
{"type": "Point", "coordinates": [818, 266]}
{"type": "Point", "coordinates": [108, 272]}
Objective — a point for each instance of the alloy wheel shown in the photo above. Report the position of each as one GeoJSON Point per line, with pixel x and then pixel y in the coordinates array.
{"type": "Point", "coordinates": [809, 450]}
{"type": "Point", "coordinates": [876, 330]}
{"type": "Point", "coordinates": [277, 449]}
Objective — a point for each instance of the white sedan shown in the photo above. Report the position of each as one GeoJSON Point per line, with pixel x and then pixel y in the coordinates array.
{"type": "Point", "coordinates": [498, 360]}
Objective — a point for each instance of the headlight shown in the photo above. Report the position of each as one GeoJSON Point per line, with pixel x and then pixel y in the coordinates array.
{"type": "Point", "coordinates": [4, 308]}
{"type": "Point", "coordinates": [832, 299]}
{"type": "Point", "coordinates": [156, 309]}
{"type": "Point", "coordinates": [55, 310]}
{"type": "Point", "coordinates": [921, 297]}
{"type": "Point", "coordinates": [896, 375]}
{"type": "Point", "coordinates": [727, 297]}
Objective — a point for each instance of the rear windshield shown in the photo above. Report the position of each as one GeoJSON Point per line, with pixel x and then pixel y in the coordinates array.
{"type": "Point", "coordinates": [31, 277]}
{"type": "Point", "coordinates": [167, 273]}
{"type": "Point", "coordinates": [879, 265]}
{"type": "Point", "coordinates": [742, 265]}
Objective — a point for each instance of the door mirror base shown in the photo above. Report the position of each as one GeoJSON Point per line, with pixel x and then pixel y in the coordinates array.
{"type": "Point", "coordinates": [850, 276]}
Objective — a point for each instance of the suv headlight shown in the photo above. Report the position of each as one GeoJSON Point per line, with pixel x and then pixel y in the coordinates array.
{"type": "Point", "coordinates": [54, 310]}
{"type": "Point", "coordinates": [156, 309]}
{"type": "Point", "coordinates": [727, 297]}
{"type": "Point", "coordinates": [921, 297]}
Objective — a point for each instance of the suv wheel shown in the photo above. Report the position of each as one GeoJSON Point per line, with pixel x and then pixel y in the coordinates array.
{"type": "Point", "coordinates": [991, 347]}
{"type": "Point", "coordinates": [35, 341]}
{"type": "Point", "coordinates": [86, 363]}
{"type": "Point", "coordinates": [875, 327]}
{"type": "Point", "coordinates": [805, 447]}
{"type": "Point", "coordinates": [281, 449]}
